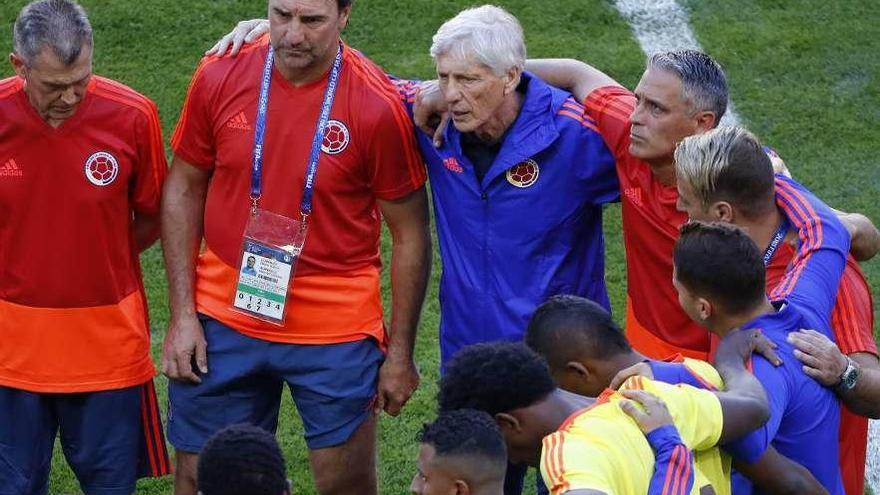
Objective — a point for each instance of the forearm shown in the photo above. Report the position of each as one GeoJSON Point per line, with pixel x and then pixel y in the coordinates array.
{"type": "Point", "coordinates": [410, 271]}
{"type": "Point", "coordinates": [145, 230]}
{"type": "Point", "coordinates": [183, 208]}
{"type": "Point", "coordinates": [572, 75]}
{"type": "Point", "coordinates": [744, 404]}
{"type": "Point", "coordinates": [671, 458]}
{"type": "Point", "coordinates": [864, 399]}
{"type": "Point", "coordinates": [865, 236]}
{"type": "Point", "coordinates": [775, 473]}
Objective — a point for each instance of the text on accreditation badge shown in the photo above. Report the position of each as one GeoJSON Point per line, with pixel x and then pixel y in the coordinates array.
{"type": "Point", "coordinates": [271, 249]}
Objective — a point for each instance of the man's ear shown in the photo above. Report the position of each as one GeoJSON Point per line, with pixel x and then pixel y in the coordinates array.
{"type": "Point", "coordinates": [722, 211]}
{"type": "Point", "coordinates": [705, 309]}
{"type": "Point", "coordinates": [462, 488]}
{"type": "Point", "coordinates": [288, 490]}
{"type": "Point", "coordinates": [343, 17]}
{"type": "Point", "coordinates": [706, 121]}
{"type": "Point", "coordinates": [508, 422]}
{"type": "Point", "coordinates": [579, 369]}
{"type": "Point", "coordinates": [18, 65]}
{"type": "Point", "coordinates": [511, 80]}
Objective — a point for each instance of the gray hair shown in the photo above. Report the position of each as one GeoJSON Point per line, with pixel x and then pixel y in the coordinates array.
{"type": "Point", "coordinates": [703, 83]}
{"type": "Point", "coordinates": [727, 164]}
{"type": "Point", "coordinates": [488, 33]}
{"type": "Point", "coordinates": [60, 25]}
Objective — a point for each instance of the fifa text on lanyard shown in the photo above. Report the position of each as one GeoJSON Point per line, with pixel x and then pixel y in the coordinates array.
{"type": "Point", "coordinates": [273, 242]}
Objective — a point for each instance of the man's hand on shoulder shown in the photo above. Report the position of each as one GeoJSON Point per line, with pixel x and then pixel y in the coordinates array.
{"type": "Point", "coordinates": [245, 32]}
{"type": "Point", "coordinates": [430, 112]}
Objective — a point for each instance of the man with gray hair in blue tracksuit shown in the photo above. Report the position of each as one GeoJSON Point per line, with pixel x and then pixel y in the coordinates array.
{"type": "Point", "coordinates": [518, 184]}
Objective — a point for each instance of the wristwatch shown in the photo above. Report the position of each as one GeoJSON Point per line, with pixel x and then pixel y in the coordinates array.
{"type": "Point", "coordinates": [850, 376]}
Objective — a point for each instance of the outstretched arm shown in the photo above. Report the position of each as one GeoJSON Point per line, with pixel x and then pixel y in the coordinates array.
{"type": "Point", "coordinates": [744, 404]}
{"type": "Point", "coordinates": [865, 236]}
{"type": "Point", "coordinates": [574, 76]}
{"type": "Point", "coordinates": [775, 473]}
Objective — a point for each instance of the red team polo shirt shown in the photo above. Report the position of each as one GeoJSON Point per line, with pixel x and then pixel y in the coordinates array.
{"type": "Point", "coordinates": [655, 323]}
{"type": "Point", "coordinates": [73, 314]}
{"type": "Point", "coordinates": [369, 153]}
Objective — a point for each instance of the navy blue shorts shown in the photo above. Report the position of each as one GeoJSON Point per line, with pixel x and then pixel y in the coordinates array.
{"type": "Point", "coordinates": [332, 385]}
{"type": "Point", "coordinates": [110, 439]}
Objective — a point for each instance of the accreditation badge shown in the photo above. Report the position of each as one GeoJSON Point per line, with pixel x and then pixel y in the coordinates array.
{"type": "Point", "coordinates": [270, 251]}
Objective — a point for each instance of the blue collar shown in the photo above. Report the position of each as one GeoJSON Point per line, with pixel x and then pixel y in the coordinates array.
{"type": "Point", "coordinates": [533, 131]}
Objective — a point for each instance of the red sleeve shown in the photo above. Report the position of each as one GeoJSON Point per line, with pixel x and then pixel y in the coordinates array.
{"type": "Point", "coordinates": [610, 107]}
{"type": "Point", "coordinates": [151, 166]}
{"type": "Point", "coordinates": [394, 165]}
{"type": "Point", "coordinates": [193, 138]}
{"type": "Point", "coordinates": [853, 316]}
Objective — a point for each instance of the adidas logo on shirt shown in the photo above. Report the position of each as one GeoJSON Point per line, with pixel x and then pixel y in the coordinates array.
{"type": "Point", "coordinates": [11, 169]}
{"type": "Point", "coordinates": [239, 122]}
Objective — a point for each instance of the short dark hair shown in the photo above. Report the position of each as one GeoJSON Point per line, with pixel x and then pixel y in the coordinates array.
{"type": "Point", "coordinates": [495, 377]}
{"type": "Point", "coordinates": [719, 261]}
{"type": "Point", "coordinates": [341, 4]}
{"type": "Point", "coordinates": [703, 82]}
{"type": "Point", "coordinates": [465, 432]}
{"type": "Point", "coordinates": [242, 460]}
{"type": "Point", "coordinates": [565, 328]}
{"type": "Point", "coordinates": [728, 164]}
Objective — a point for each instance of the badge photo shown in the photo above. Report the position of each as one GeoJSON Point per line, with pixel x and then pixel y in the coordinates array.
{"type": "Point", "coordinates": [524, 174]}
{"type": "Point", "coordinates": [101, 168]}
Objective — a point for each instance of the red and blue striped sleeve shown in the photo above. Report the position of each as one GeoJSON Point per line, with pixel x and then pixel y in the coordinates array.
{"type": "Point", "coordinates": [673, 463]}
{"type": "Point", "coordinates": [813, 276]}
{"type": "Point", "coordinates": [407, 90]}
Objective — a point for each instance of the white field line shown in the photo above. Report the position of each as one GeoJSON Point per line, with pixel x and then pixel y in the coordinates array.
{"type": "Point", "coordinates": [661, 25]}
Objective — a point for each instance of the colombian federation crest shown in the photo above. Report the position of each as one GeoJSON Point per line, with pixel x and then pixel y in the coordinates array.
{"type": "Point", "coordinates": [524, 174]}
{"type": "Point", "coordinates": [336, 138]}
{"type": "Point", "coordinates": [101, 168]}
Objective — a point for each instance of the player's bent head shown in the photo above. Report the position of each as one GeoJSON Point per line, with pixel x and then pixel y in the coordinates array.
{"type": "Point", "coordinates": [511, 383]}
{"type": "Point", "coordinates": [460, 452]}
{"type": "Point", "coordinates": [718, 271]}
{"type": "Point", "coordinates": [573, 334]}
{"type": "Point", "coordinates": [703, 83]}
{"type": "Point", "coordinates": [495, 377]}
{"type": "Point", "coordinates": [60, 26]}
{"type": "Point", "coordinates": [488, 35]}
{"type": "Point", "coordinates": [242, 460]}
{"type": "Point", "coordinates": [724, 174]}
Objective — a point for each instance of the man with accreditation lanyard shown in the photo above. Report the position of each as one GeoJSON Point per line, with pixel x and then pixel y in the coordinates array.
{"type": "Point", "coordinates": [254, 176]}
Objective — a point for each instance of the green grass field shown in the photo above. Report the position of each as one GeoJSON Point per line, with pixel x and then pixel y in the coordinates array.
{"type": "Point", "coordinates": [804, 77]}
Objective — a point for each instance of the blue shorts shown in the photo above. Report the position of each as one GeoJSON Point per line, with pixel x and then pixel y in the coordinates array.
{"type": "Point", "coordinates": [332, 385]}
{"type": "Point", "coordinates": [110, 439]}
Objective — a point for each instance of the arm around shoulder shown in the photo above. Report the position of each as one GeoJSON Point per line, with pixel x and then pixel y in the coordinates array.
{"type": "Point", "coordinates": [577, 77]}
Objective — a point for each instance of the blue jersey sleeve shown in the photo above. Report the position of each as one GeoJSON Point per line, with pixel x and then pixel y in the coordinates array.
{"type": "Point", "coordinates": [598, 172]}
{"type": "Point", "coordinates": [673, 463]}
{"type": "Point", "coordinates": [751, 447]}
{"type": "Point", "coordinates": [813, 277]}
